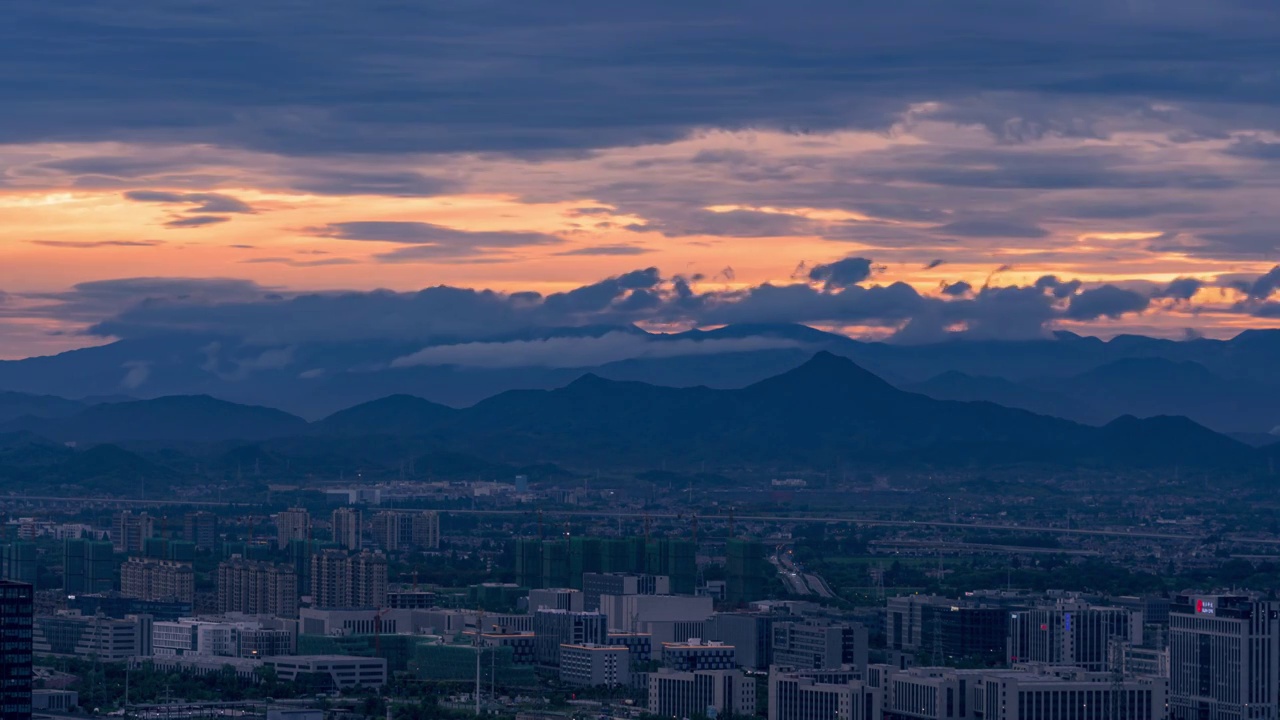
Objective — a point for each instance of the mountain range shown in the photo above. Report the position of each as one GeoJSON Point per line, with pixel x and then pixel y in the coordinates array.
{"type": "Point", "coordinates": [1230, 386]}
{"type": "Point", "coordinates": [827, 412]}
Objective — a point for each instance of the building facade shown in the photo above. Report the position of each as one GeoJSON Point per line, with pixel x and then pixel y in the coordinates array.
{"type": "Point", "coordinates": [88, 566]}
{"type": "Point", "coordinates": [346, 528]}
{"type": "Point", "coordinates": [201, 529]}
{"type": "Point", "coordinates": [698, 654]}
{"type": "Point", "coordinates": [819, 646]}
{"type": "Point", "coordinates": [150, 579]}
{"type": "Point", "coordinates": [292, 524]}
{"type": "Point", "coordinates": [595, 665]}
{"type": "Point", "coordinates": [16, 649]}
{"type": "Point", "coordinates": [704, 693]}
{"type": "Point", "coordinates": [129, 532]}
{"type": "Point", "coordinates": [106, 639]}
{"type": "Point", "coordinates": [821, 695]}
{"type": "Point", "coordinates": [1073, 634]}
{"type": "Point", "coordinates": [257, 588]}
{"type": "Point", "coordinates": [1224, 658]}
{"type": "Point", "coordinates": [596, 584]}
{"type": "Point", "coordinates": [339, 580]}
{"type": "Point", "coordinates": [554, 628]}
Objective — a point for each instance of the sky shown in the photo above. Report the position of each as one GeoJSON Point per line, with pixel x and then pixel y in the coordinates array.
{"type": "Point", "coordinates": [906, 171]}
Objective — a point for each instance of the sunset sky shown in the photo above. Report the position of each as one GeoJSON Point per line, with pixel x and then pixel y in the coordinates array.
{"type": "Point", "coordinates": [899, 170]}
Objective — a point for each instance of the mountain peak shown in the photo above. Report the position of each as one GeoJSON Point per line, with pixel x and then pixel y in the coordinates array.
{"type": "Point", "coordinates": [825, 373]}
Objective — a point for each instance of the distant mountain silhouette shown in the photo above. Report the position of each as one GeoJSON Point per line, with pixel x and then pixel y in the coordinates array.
{"type": "Point", "coordinates": [953, 385]}
{"type": "Point", "coordinates": [14, 405]}
{"type": "Point", "coordinates": [826, 412]}
{"type": "Point", "coordinates": [194, 418]}
{"type": "Point", "coordinates": [1140, 386]}
{"type": "Point", "coordinates": [391, 415]}
{"type": "Point", "coordinates": [319, 379]}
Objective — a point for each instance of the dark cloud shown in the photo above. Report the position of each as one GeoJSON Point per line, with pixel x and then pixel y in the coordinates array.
{"type": "Point", "coordinates": [1259, 244]}
{"type": "Point", "coordinates": [344, 77]}
{"type": "Point", "coordinates": [1106, 301]}
{"type": "Point", "coordinates": [732, 223]}
{"type": "Point", "coordinates": [421, 233]}
{"type": "Point", "coordinates": [434, 243]}
{"type": "Point", "coordinates": [1262, 287]}
{"type": "Point", "coordinates": [1255, 148]}
{"type": "Point", "coordinates": [244, 311]}
{"type": "Point", "coordinates": [294, 262]}
{"type": "Point", "coordinates": [608, 250]}
{"type": "Point", "coordinates": [1181, 289]}
{"type": "Point", "coordinates": [841, 274]}
{"type": "Point", "coordinates": [88, 244]}
{"type": "Point", "coordinates": [1078, 169]}
{"type": "Point", "coordinates": [993, 228]}
{"type": "Point", "coordinates": [195, 221]}
{"type": "Point", "coordinates": [1059, 288]}
{"type": "Point", "coordinates": [202, 202]}
{"type": "Point", "coordinates": [396, 184]}
{"type": "Point", "coordinates": [584, 351]}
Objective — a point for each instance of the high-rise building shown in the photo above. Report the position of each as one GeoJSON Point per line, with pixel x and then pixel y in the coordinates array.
{"type": "Point", "coordinates": [677, 559]}
{"type": "Point", "coordinates": [528, 554]}
{"type": "Point", "coordinates": [339, 580]}
{"type": "Point", "coordinates": [18, 562]}
{"type": "Point", "coordinates": [1224, 657]}
{"type": "Point", "coordinates": [369, 580]}
{"type": "Point", "coordinates": [150, 579]}
{"type": "Point", "coordinates": [705, 693]}
{"type": "Point", "coordinates": [346, 528]}
{"type": "Point", "coordinates": [292, 524]}
{"type": "Point", "coordinates": [821, 695]}
{"type": "Point", "coordinates": [16, 608]}
{"type": "Point", "coordinates": [426, 530]}
{"type": "Point", "coordinates": [88, 566]}
{"type": "Point", "coordinates": [330, 579]}
{"type": "Point", "coordinates": [403, 529]}
{"type": "Point", "coordinates": [747, 572]}
{"type": "Point", "coordinates": [553, 628]}
{"type": "Point", "coordinates": [129, 532]}
{"type": "Point", "coordinates": [555, 564]}
{"type": "Point", "coordinates": [200, 528]}
{"type": "Point", "coordinates": [393, 530]}
{"type": "Point", "coordinates": [1071, 633]}
{"type": "Point", "coordinates": [257, 588]}
{"type": "Point", "coordinates": [751, 635]}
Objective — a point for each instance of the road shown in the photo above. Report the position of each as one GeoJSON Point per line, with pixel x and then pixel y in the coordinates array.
{"type": "Point", "coordinates": [794, 577]}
